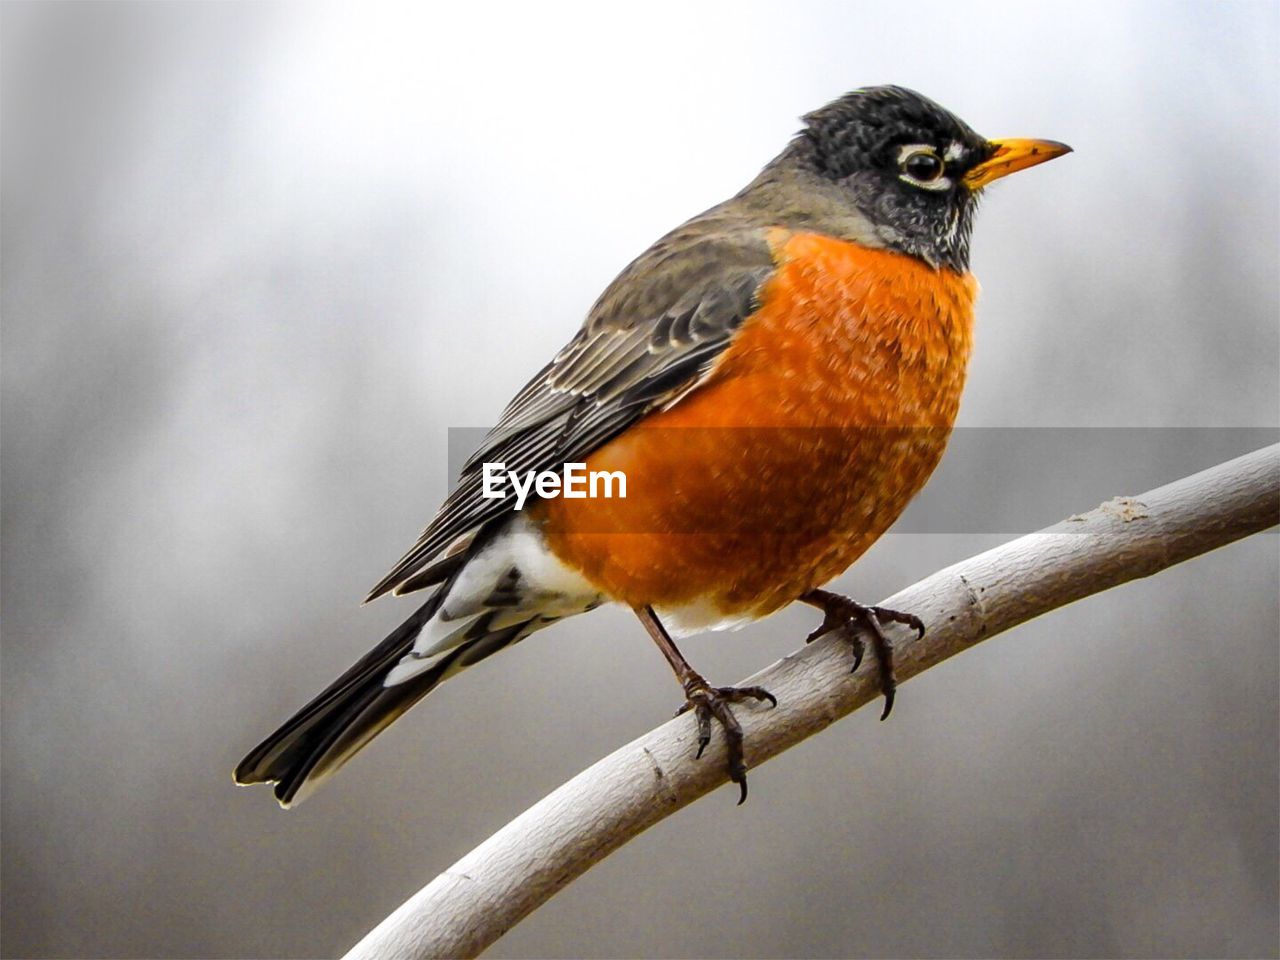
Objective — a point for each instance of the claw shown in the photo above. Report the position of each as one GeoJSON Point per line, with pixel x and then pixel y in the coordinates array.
{"type": "Point", "coordinates": [738, 694]}
{"type": "Point", "coordinates": [847, 615]}
{"type": "Point", "coordinates": [704, 731]}
{"type": "Point", "coordinates": [710, 703]}
{"type": "Point", "coordinates": [888, 704]}
{"type": "Point", "coordinates": [738, 775]}
{"type": "Point", "coordinates": [897, 616]}
{"type": "Point", "coordinates": [859, 648]}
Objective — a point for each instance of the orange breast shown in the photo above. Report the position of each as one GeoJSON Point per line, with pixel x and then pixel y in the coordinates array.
{"type": "Point", "coordinates": [810, 436]}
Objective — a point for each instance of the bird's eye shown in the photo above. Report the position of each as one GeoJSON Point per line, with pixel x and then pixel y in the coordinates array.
{"type": "Point", "coordinates": [922, 166]}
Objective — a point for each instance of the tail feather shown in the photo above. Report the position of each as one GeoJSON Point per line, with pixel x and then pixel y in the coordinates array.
{"type": "Point", "coordinates": [355, 708]}
{"type": "Point", "coordinates": [272, 758]}
{"type": "Point", "coordinates": [357, 720]}
{"type": "Point", "coordinates": [515, 587]}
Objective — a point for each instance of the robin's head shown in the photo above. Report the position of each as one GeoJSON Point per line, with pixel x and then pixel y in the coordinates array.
{"type": "Point", "coordinates": [911, 169]}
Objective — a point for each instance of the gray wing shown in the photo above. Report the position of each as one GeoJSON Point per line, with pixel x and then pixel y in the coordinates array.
{"type": "Point", "coordinates": [650, 338]}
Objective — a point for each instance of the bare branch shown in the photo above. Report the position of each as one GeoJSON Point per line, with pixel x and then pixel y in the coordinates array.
{"type": "Point", "coordinates": [488, 891]}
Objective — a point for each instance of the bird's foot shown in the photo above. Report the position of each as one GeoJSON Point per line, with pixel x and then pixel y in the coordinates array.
{"type": "Point", "coordinates": [847, 616]}
{"type": "Point", "coordinates": [707, 703]}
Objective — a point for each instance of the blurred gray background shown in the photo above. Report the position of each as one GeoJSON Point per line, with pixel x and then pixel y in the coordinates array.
{"type": "Point", "coordinates": [258, 259]}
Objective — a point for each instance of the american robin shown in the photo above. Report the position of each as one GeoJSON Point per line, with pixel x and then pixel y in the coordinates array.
{"type": "Point", "coordinates": [774, 380]}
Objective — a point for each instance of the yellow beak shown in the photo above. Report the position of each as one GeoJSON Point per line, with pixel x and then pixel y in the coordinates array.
{"type": "Point", "coordinates": [1011, 156]}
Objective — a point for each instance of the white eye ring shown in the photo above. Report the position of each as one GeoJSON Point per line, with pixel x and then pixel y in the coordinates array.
{"type": "Point", "coordinates": [910, 152]}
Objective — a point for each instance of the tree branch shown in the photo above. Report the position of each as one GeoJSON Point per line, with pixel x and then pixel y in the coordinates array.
{"type": "Point", "coordinates": [488, 891]}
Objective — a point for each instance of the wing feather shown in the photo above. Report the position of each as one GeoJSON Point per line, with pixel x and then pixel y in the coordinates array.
{"type": "Point", "coordinates": [648, 341]}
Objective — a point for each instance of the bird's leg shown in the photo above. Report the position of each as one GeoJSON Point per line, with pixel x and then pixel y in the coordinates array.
{"type": "Point", "coordinates": [707, 702]}
{"type": "Point", "coordinates": [846, 616]}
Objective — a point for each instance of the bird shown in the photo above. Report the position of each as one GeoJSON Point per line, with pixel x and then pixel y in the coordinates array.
{"type": "Point", "coordinates": [775, 380]}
